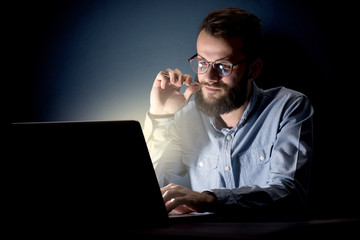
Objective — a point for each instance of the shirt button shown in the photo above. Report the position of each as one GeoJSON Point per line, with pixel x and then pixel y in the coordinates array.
{"type": "Point", "coordinates": [201, 164]}
{"type": "Point", "coordinates": [261, 158]}
{"type": "Point", "coordinates": [228, 137]}
{"type": "Point", "coordinates": [227, 168]}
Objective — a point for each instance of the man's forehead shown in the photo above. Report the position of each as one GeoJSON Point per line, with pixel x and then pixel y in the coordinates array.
{"type": "Point", "coordinates": [214, 48]}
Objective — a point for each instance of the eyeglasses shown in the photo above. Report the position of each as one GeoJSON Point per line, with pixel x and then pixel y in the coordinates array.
{"type": "Point", "coordinates": [223, 68]}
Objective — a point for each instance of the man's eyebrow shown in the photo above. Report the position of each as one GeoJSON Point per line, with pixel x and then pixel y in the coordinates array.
{"type": "Point", "coordinates": [216, 59]}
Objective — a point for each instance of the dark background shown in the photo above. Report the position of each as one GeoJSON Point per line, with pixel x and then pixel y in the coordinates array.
{"type": "Point", "coordinates": [97, 59]}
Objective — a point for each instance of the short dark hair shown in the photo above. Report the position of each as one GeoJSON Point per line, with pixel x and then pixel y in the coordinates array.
{"type": "Point", "coordinates": [235, 22]}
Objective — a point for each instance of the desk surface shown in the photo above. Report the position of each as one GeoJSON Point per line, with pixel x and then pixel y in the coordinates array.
{"type": "Point", "coordinates": [348, 228]}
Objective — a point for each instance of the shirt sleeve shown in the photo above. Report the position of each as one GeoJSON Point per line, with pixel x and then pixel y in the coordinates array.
{"type": "Point", "coordinates": [165, 150]}
{"type": "Point", "coordinates": [290, 164]}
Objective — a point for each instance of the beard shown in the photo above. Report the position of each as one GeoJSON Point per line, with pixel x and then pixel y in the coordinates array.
{"type": "Point", "coordinates": [232, 99]}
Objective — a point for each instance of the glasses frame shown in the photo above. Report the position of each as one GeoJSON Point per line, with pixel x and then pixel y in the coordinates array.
{"type": "Point", "coordinates": [232, 65]}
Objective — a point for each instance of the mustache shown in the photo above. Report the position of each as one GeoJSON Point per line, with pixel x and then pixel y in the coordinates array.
{"type": "Point", "coordinates": [215, 85]}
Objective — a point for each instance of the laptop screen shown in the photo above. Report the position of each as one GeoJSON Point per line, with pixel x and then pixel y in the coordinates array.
{"type": "Point", "coordinates": [84, 174]}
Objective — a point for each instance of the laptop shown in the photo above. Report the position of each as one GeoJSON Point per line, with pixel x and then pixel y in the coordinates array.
{"type": "Point", "coordinates": [93, 176]}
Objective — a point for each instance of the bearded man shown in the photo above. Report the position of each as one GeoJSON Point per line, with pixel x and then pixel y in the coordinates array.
{"type": "Point", "coordinates": [234, 146]}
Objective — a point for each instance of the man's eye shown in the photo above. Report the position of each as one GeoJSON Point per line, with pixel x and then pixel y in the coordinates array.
{"type": "Point", "coordinates": [202, 66]}
{"type": "Point", "coordinates": [224, 67]}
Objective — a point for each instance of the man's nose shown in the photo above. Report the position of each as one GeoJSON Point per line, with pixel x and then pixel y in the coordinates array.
{"type": "Point", "coordinates": [211, 76]}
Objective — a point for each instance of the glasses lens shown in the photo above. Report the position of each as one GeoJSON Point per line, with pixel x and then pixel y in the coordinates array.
{"type": "Point", "coordinates": [198, 65]}
{"type": "Point", "coordinates": [223, 69]}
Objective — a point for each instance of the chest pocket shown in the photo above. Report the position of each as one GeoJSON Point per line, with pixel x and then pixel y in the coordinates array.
{"type": "Point", "coordinates": [255, 166]}
{"type": "Point", "coordinates": [202, 170]}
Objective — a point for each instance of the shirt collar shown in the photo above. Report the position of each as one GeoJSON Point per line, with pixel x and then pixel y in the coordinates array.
{"type": "Point", "coordinates": [255, 92]}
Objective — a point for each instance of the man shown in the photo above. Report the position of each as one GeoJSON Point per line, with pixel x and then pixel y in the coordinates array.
{"type": "Point", "coordinates": [234, 146]}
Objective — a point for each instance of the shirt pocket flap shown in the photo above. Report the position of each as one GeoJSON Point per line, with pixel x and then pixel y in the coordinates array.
{"type": "Point", "coordinates": [255, 156]}
{"type": "Point", "coordinates": [200, 161]}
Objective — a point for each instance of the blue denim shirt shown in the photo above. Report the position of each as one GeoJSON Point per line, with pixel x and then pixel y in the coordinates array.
{"type": "Point", "coordinates": [264, 158]}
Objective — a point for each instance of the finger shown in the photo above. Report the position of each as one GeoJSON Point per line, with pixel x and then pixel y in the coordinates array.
{"type": "Point", "coordinates": [157, 82]}
{"type": "Point", "coordinates": [190, 91]}
{"type": "Point", "coordinates": [175, 202]}
{"type": "Point", "coordinates": [179, 77]}
{"type": "Point", "coordinates": [167, 187]}
{"type": "Point", "coordinates": [171, 191]}
{"type": "Point", "coordinates": [172, 75]}
{"type": "Point", "coordinates": [161, 80]}
{"type": "Point", "coordinates": [168, 202]}
{"type": "Point", "coordinates": [168, 195]}
{"type": "Point", "coordinates": [188, 79]}
{"type": "Point", "coordinates": [182, 209]}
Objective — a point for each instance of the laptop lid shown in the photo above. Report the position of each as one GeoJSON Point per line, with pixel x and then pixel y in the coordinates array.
{"type": "Point", "coordinates": [94, 175]}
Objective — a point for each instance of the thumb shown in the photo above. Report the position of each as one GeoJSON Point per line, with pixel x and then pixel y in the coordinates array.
{"type": "Point", "coordinates": [190, 91]}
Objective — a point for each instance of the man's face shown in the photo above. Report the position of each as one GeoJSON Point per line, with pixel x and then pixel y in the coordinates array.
{"type": "Point", "coordinates": [219, 95]}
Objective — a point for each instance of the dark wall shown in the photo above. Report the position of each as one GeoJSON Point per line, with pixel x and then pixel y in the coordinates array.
{"type": "Point", "coordinates": [91, 60]}
{"type": "Point", "coordinates": [96, 60]}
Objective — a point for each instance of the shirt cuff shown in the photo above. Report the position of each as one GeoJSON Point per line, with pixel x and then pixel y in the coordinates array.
{"type": "Point", "coordinates": [166, 116]}
{"type": "Point", "coordinates": [225, 197]}
{"type": "Point", "coordinates": [157, 127]}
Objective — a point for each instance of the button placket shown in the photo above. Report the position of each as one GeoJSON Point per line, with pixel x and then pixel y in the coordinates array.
{"type": "Point", "coordinates": [228, 174]}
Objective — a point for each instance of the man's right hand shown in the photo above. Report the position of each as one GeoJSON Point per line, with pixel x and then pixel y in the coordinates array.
{"type": "Point", "coordinates": [165, 97]}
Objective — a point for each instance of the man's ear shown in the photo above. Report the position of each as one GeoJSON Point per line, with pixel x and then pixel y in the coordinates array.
{"type": "Point", "coordinates": [255, 68]}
